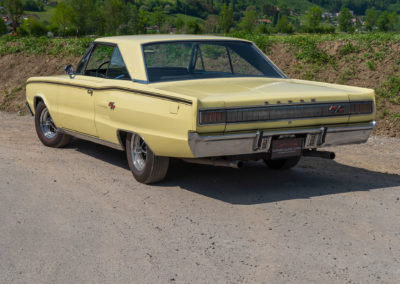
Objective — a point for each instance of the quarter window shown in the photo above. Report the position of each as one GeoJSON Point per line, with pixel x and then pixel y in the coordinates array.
{"type": "Point", "coordinates": [117, 68]}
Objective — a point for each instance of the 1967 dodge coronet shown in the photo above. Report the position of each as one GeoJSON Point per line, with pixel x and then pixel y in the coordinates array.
{"type": "Point", "coordinates": [205, 99]}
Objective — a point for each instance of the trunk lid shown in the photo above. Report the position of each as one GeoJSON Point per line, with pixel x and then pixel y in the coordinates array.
{"type": "Point", "coordinates": [284, 99]}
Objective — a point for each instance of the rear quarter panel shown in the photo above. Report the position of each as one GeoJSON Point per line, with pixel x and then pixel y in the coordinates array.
{"type": "Point", "coordinates": [163, 124]}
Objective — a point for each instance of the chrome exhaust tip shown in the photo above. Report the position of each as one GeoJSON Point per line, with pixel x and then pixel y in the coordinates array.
{"type": "Point", "coordinates": [319, 154]}
{"type": "Point", "coordinates": [216, 163]}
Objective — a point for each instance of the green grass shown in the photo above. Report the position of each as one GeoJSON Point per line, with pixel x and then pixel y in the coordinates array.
{"type": "Point", "coordinates": [44, 16]}
{"type": "Point", "coordinates": [43, 45]}
{"type": "Point", "coordinates": [390, 89]}
{"type": "Point", "coordinates": [371, 65]}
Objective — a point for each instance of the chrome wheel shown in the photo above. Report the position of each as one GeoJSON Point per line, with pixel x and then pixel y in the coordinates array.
{"type": "Point", "coordinates": [138, 149]}
{"type": "Point", "coordinates": [47, 126]}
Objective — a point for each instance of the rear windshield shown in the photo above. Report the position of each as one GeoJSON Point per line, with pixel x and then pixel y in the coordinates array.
{"type": "Point", "coordinates": [169, 61]}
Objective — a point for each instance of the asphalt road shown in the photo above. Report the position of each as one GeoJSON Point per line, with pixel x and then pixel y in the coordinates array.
{"type": "Point", "coordinates": [76, 215]}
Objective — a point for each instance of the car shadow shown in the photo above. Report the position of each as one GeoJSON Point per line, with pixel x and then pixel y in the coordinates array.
{"type": "Point", "coordinates": [255, 183]}
{"type": "Point", "coordinates": [100, 152]}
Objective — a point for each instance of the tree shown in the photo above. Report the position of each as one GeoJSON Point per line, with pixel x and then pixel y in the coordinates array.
{"type": "Point", "coordinates": [159, 18]}
{"type": "Point", "coordinates": [14, 9]}
{"type": "Point", "coordinates": [313, 18]}
{"type": "Point", "coordinates": [249, 19]}
{"type": "Point", "coordinates": [3, 27]}
{"type": "Point", "coordinates": [62, 17]}
{"type": "Point", "coordinates": [179, 23]}
{"type": "Point", "coordinates": [284, 10]}
{"type": "Point", "coordinates": [345, 20]}
{"type": "Point", "coordinates": [143, 19]}
{"type": "Point", "coordinates": [387, 21]}
{"type": "Point", "coordinates": [115, 14]}
{"type": "Point", "coordinates": [211, 24]}
{"type": "Point", "coordinates": [193, 27]}
{"type": "Point", "coordinates": [34, 5]}
{"type": "Point", "coordinates": [283, 25]}
{"type": "Point", "coordinates": [371, 18]}
{"type": "Point", "coordinates": [226, 18]}
{"type": "Point", "coordinates": [82, 11]}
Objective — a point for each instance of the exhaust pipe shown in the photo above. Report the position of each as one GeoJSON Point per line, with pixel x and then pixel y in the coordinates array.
{"type": "Point", "coordinates": [319, 154]}
{"type": "Point", "coordinates": [216, 163]}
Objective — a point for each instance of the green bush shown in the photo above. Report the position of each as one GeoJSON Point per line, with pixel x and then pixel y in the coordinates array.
{"type": "Point", "coordinates": [32, 27]}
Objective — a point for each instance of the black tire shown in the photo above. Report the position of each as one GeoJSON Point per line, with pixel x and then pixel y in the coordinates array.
{"type": "Point", "coordinates": [282, 164]}
{"type": "Point", "coordinates": [53, 137]}
{"type": "Point", "coordinates": [153, 169]}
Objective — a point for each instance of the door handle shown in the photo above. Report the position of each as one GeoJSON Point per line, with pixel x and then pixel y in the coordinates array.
{"type": "Point", "coordinates": [90, 91]}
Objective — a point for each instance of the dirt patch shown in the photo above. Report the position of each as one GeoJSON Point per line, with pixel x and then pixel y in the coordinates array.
{"type": "Point", "coordinates": [17, 68]}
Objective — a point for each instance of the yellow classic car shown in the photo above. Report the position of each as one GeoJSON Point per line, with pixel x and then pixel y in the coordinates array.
{"type": "Point", "coordinates": [205, 99]}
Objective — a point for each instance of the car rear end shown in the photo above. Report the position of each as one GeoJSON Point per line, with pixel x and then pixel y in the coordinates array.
{"type": "Point", "coordinates": [292, 120]}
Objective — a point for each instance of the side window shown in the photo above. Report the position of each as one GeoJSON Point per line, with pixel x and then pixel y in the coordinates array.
{"type": "Point", "coordinates": [117, 68]}
{"type": "Point", "coordinates": [99, 61]}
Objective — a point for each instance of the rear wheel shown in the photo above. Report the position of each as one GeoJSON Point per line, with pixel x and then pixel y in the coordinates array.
{"type": "Point", "coordinates": [146, 167]}
{"type": "Point", "coordinates": [282, 164]}
{"type": "Point", "coordinates": [46, 130]}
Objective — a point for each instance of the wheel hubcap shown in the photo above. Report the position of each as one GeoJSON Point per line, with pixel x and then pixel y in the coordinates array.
{"type": "Point", "coordinates": [47, 126]}
{"type": "Point", "coordinates": [138, 152]}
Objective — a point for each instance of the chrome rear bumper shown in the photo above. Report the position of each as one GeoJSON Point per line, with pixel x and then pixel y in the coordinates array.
{"type": "Point", "coordinates": [260, 141]}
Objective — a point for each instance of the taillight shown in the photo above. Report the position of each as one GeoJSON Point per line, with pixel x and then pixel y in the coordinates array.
{"type": "Point", "coordinates": [361, 107]}
{"type": "Point", "coordinates": [212, 117]}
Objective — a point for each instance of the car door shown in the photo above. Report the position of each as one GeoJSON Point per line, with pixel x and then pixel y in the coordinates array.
{"type": "Point", "coordinates": [113, 95]}
{"type": "Point", "coordinates": [77, 98]}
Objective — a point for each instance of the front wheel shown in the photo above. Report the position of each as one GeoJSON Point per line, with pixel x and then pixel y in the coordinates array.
{"type": "Point", "coordinates": [146, 167]}
{"type": "Point", "coordinates": [46, 130]}
{"type": "Point", "coordinates": [283, 164]}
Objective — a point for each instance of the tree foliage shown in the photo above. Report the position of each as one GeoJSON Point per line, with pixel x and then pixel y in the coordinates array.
{"type": "Point", "coordinates": [226, 18]}
{"type": "Point", "coordinates": [371, 18]}
{"type": "Point", "coordinates": [3, 27]}
{"type": "Point", "coordinates": [248, 21]}
{"type": "Point", "coordinates": [14, 9]}
{"type": "Point", "coordinates": [314, 18]}
{"type": "Point", "coordinates": [387, 21]}
{"type": "Point", "coordinates": [345, 20]}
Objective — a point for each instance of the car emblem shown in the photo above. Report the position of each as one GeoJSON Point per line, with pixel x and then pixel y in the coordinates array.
{"type": "Point", "coordinates": [111, 105]}
{"type": "Point", "coordinates": [336, 108]}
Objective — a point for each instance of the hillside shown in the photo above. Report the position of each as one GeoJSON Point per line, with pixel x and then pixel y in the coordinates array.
{"type": "Point", "coordinates": [371, 61]}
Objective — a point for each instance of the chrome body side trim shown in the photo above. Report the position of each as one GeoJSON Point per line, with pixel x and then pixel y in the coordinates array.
{"type": "Point", "coordinates": [249, 143]}
{"type": "Point", "coordinates": [92, 139]}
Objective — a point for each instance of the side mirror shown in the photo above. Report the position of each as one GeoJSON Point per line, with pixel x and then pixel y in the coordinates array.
{"type": "Point", "coordinates": [69, 70]}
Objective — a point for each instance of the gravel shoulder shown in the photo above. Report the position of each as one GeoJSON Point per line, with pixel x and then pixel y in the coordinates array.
{"type": "Point", "coordinates": [76, 215]}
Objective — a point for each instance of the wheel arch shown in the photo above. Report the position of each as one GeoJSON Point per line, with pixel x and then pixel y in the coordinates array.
{"type": "Point", "coordinates": [37, 99]}
{"type": "Point", "coordinates": [122, 134]}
